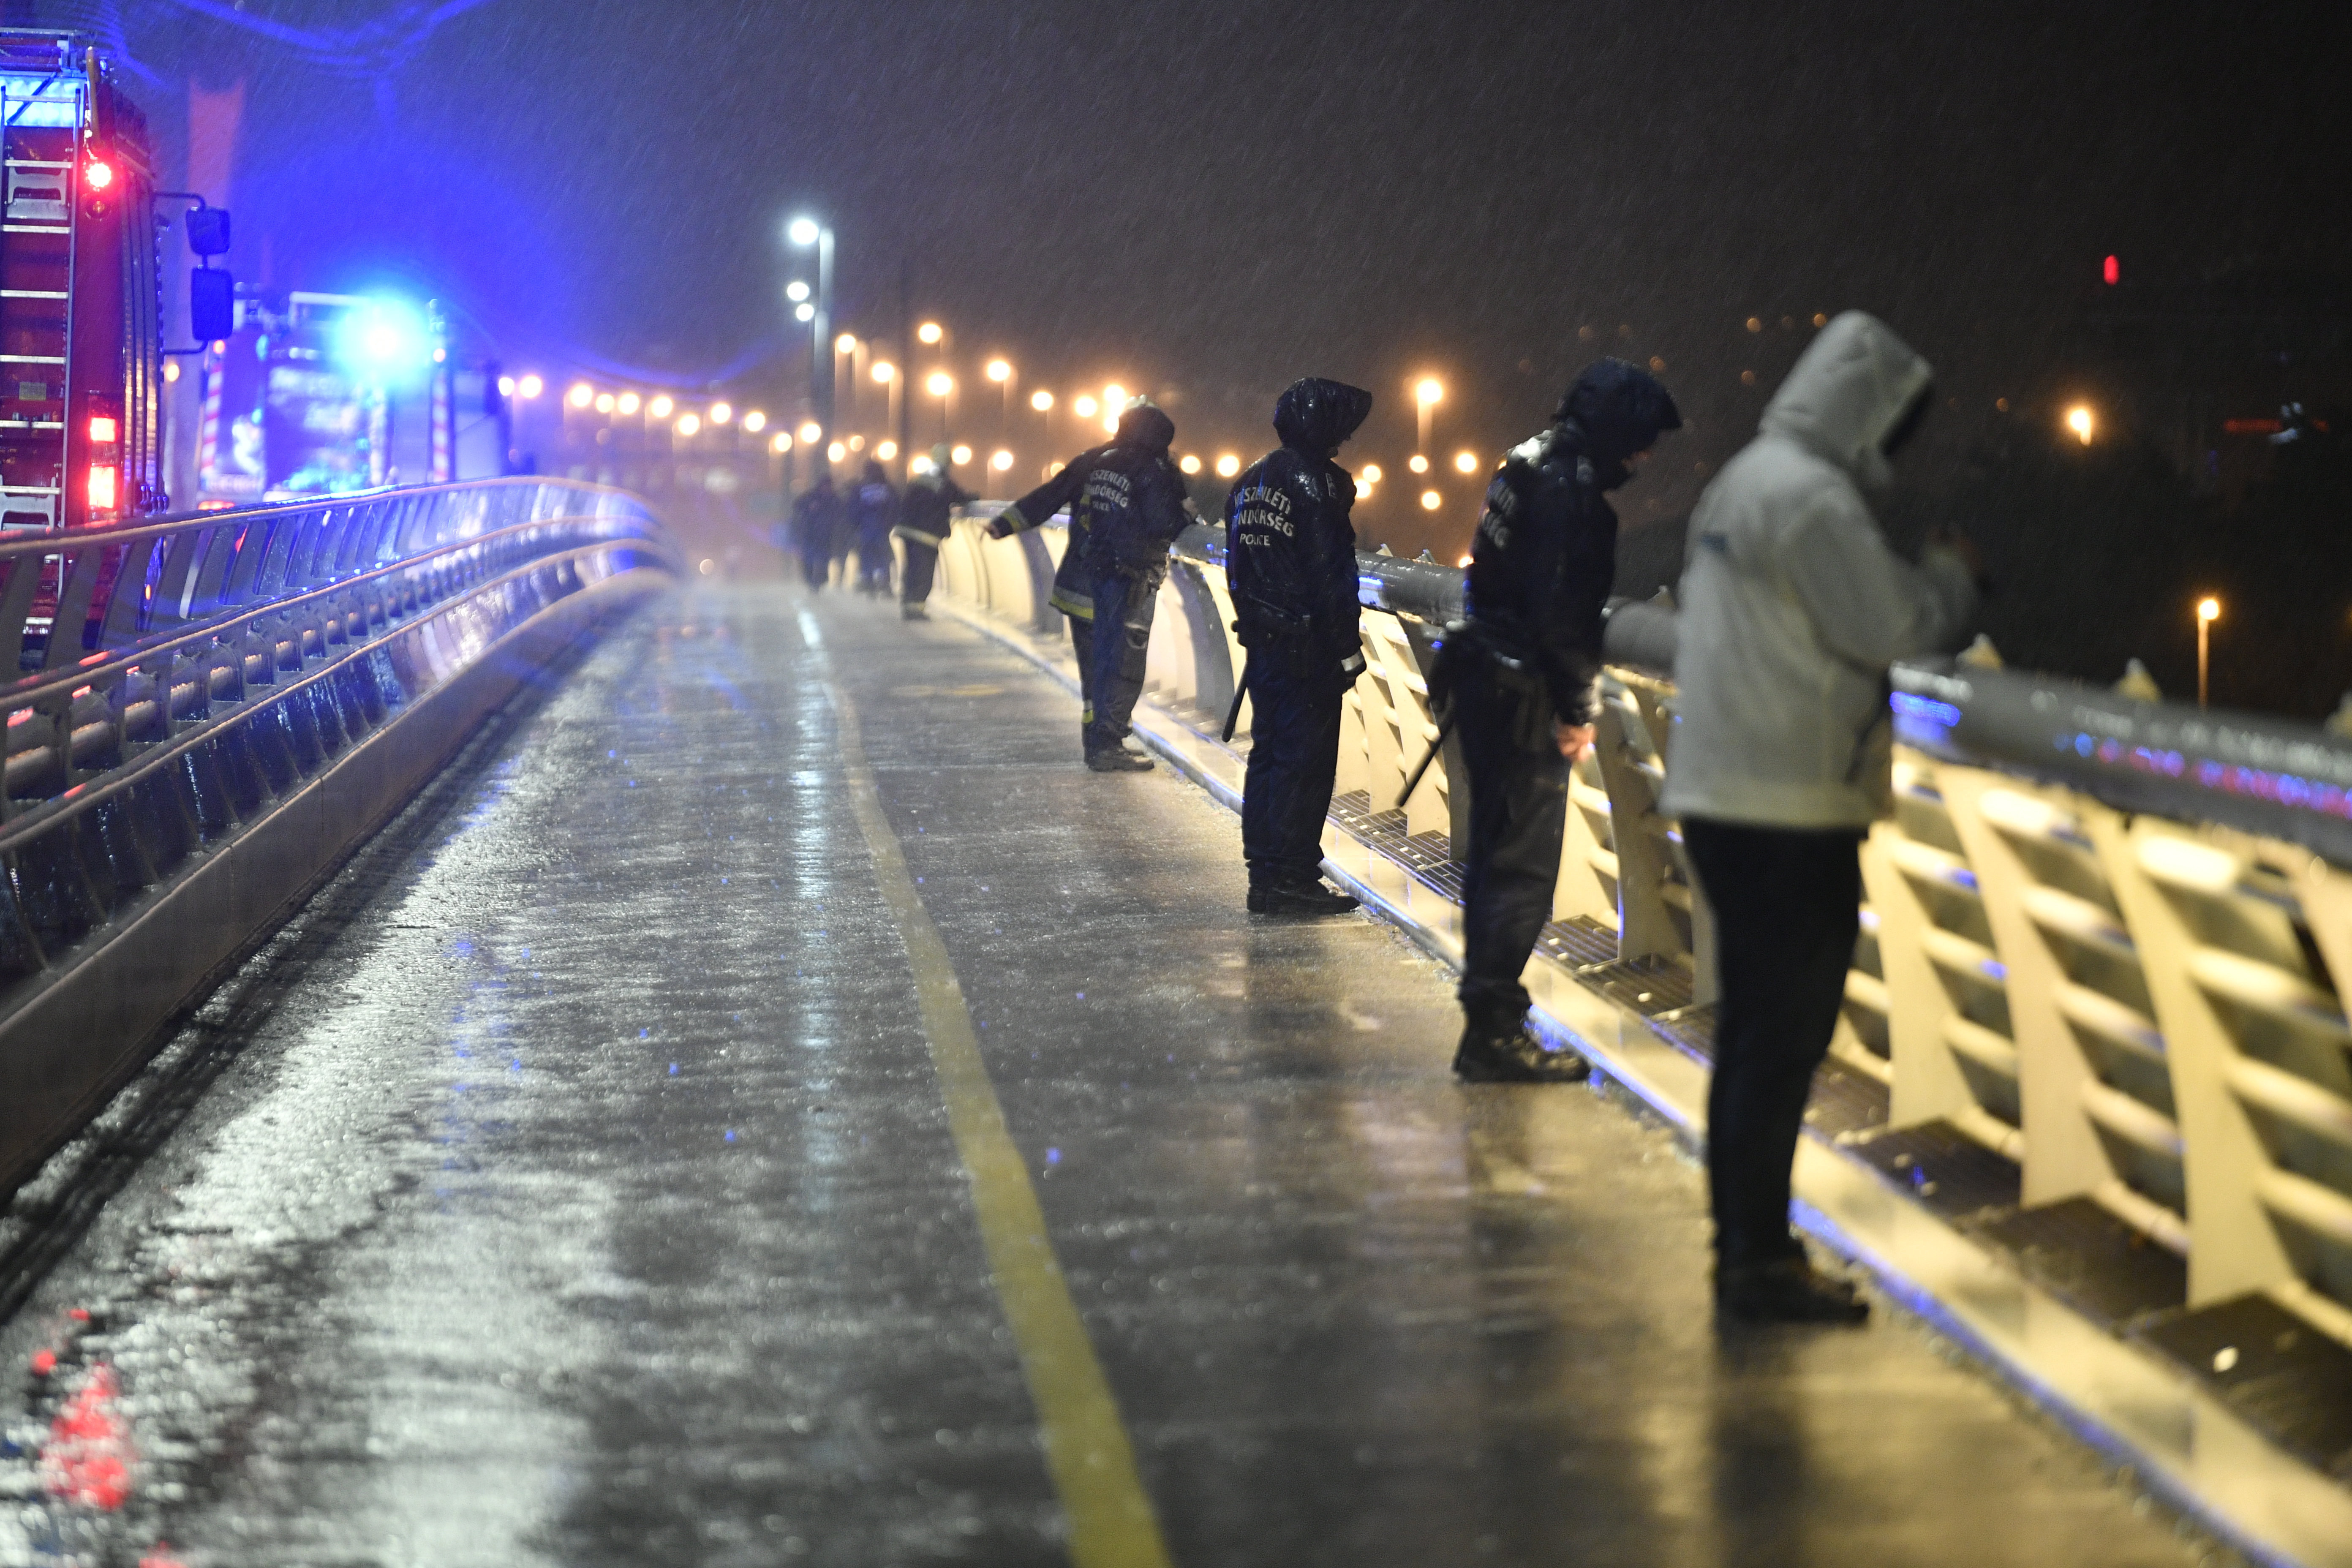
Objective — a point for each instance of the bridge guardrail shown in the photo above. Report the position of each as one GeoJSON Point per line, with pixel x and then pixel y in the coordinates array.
{"type": "Point", "coordinates": [2104, 938]}
{"type": "Point", "coordinates": [262, 688]}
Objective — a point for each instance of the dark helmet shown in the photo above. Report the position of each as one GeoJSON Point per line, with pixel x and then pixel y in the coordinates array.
{"type": "Point", "coordinates": [1621, 409]}
{"type": "Point", "coordinates": [1141, 424]}
{"type": "Point", "coordinates": [1316, 416]}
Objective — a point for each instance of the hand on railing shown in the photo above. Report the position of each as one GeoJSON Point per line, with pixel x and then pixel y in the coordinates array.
{"type": "Point", "coordinates": [1575, 739]}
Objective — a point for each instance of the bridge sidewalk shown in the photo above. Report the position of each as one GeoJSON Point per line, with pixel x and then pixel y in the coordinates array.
{"type": "Point", "coordinates": [606, 1179]}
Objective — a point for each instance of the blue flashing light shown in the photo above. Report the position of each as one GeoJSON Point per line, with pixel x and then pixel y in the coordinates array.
{"type": "Point", "coordinates": [384, 340]}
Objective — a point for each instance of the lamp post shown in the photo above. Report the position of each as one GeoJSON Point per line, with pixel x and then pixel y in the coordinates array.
{"type": "Point", "coordinates": [2209, 610]}
{"type": "Point", "coordinates": [941, 386]}
{"type": "Point", "coordinates": [1427, 393]}
{"type": "Point", "coordinates": [805, 232]}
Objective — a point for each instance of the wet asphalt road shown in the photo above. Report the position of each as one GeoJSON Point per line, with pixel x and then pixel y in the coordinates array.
{"type": "Point", "coordinates": [577, 1188]}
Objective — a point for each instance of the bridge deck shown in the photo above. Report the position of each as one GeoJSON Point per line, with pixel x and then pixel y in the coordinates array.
{"type": "Point", "coordinates": [595, 1184]}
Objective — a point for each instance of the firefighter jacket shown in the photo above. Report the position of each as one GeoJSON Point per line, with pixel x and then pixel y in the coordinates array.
{"type": "Point", "coordinates": [1127, 504]}
{"type": "Point", "coordinates": [1290, 556]}
{"type": "Point", "coordinates": [925, 510]}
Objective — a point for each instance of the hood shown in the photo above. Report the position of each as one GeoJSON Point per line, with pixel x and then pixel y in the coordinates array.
{"type": "Point", "coordinates": [875, 474]}
{"type": "Point", "coordinates": [1315, 415]}
{"type": "Point", "coordinates": [1847, 394]}
{"type": "Point", "coordinates": [1141, 424]}
{"type": "Point", "coordinates": [1621, 409]}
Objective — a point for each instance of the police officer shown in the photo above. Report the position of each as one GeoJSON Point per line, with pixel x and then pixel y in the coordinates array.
{"type": "Point", "coordinates": [931, 498]}
{"type": "Point", "coordinates": [1290, 559]}
{"type": "Point", "coordinates": [1520, 676]}
{"type": "Point", "coordinates": [1127, 505]}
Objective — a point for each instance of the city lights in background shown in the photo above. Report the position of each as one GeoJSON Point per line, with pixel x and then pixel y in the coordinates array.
{"type": "Point", "coordinates": [1370, 474]}
{"type": "Point", "coordinates": [2079, 420]}
{"type": "Point", "coordinates": [687, 424]}
{"type": "Point", "coordinates": [581, 396]}
{"type": "Point", "coordinates": [796, 291]}
{"type": "Point", "coordinates": [1228, 465]}
{"type": "Point", "coordinates": [1114, 398]}
{"type": "Point", "coordinates": [999, 370]}
{"type": "Point", "coordinates": [999, 460]}
{"type": "Point", "coordinates": [506, 387]}
{"type": "Point", "coordinates": [811, 432]}
{"type": "Point", "coordinates": [1190, 463]}
{"type": "Point", "coordinates": [755, 421]}
{"type": "Point", "coordinates": [1427, 392]}
{"type": "Point", "coordinates": [845, 344]}
{"type": "Point", "coordinates": [721, 413]}
{"type": "Point", "coordinates": [1085, 407]}
{"type": "Point", "coordinates": [884, 372]}
{"type": "Point", "coordinates": [1466, 462]}
{"type": "Point", "coordinates": [960, 455]}
{"type": "Point", "coordinates": [628, 403]}
{"type": "Point", "coordinates": [835, 452]}
{"type": "Point", "coordinates": [1430, 501]}
{"type": "Point", "coordinates": [529, 387]}
{"type": "Point", "coordinates": [886, 450]}
{"type": "Point", "coordinates": [661, 407]}
{"type": "Point", "coordinates": [804, 312]}
{"type": "Point", "coordinates": [1417, 463]}
{"type": "Point", "coordinates": [930, 332]}
{"type": "Point", "coordinates": [857, 442]}
{"type": "Point", "coordinates": [1041, 401]}
{"type": "Point", "coordinates": [803, 232]}
{"type": "Point", "coordinates": [781, 442]}
{"type": "Point", "coordinates": [606, 403]}
{"type": "Point", "coordinates": [939, 384]}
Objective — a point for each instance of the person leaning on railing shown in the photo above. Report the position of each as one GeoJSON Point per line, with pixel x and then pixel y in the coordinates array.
{"type": "Point", "coordinates": [1518, 678]}
{"type": "Point", "coordinates": [1127, 506]}
{"type": "Point", "coordinates": [1792, 607]}
{"type": "Point", "coordinates": [923, 513]}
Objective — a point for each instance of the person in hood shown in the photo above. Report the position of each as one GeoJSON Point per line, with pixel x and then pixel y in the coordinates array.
{"type": "Point", "coordinates": [873, 508]}
{"type": "Point", "coordinates": [817, 518]}
{"type": "Point", "coordinates": [924, 512]}
{"type": "Point", "coordinates": [1520, 679]}
{"type": "Point", "coordinates": [1792, 606]}
{"type": "Point", "coordinates": [1127, 505]}
{"type": "Point", "coordinates": [1290, 561]}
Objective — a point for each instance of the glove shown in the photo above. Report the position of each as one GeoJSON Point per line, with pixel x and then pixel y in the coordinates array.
{"type": "Point", "coordinates": [1352, 666]}
{"type": "Point", "coordinates": [998, 528]}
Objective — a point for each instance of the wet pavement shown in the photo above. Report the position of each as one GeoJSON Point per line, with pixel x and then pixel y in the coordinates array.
{"type": "Point", "coordinates": [576, 1183]}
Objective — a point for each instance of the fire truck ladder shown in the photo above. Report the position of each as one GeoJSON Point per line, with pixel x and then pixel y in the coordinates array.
{"type": "Point", "coordinates": [40, 196]}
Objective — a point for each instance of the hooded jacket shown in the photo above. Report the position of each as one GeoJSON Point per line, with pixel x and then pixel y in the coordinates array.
{"type": "Point", "coordinates": [1544, 554]}
{"type": "Point", "coordinates": [1792, 605]}
{"type": "Point", "coordinates": [1290, 547]}
{"type": "Point", "coordinates": [1127, 504]}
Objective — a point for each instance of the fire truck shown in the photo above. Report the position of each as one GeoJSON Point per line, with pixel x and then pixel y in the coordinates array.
{"type": "Point", "coordinates": [80, 293]}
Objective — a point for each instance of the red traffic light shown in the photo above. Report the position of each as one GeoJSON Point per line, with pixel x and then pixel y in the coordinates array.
{"type": "Point", "coordinates": [2112, 270]}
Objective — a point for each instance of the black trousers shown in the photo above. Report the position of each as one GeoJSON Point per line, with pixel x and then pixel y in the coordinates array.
{"type": "Point", "coordinates": [1518, 816]}
{"type": "Point", "coordinates": [915, 582]}
{"type": "Point", "coordinates": [1785, 904]}
{"type": "Point", "coordinates": [873, 563]}
{"type": "Point", "coordinates": [1110, 650]}
{"type": "Point", "coordinates": [1294, 752]}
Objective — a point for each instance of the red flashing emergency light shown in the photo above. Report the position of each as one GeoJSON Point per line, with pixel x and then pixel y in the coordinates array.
{"type": "Point", "coordinates": [103, 431]}
{"type": "Point", "coordinates": [2112, 270]}
{"type": "Point", "coordinates": [100, 174]}
{"type": "Point", "coordinates": [101, 487]}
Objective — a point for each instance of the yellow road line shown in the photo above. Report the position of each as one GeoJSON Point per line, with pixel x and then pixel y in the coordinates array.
{"type": "Point", "coordinates": [1086, 1448]}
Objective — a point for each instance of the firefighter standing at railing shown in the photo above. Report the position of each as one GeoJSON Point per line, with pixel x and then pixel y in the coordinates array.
{"type": "Point", "coordinates": [931, 498]}
{"type": "Point", "coordinates": [1520, 680]}
{"type": "Point", "coordinates": [1290, 558]}
{"type": "Point", "coordinates": [1127, 506]}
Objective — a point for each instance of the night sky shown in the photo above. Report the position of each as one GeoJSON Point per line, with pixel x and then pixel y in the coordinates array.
{"type": "Point", "coordinates": [1206, 201]}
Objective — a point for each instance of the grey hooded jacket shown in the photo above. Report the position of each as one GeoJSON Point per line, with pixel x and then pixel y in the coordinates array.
{"type": "Point", "coordinates": [1792, 605]}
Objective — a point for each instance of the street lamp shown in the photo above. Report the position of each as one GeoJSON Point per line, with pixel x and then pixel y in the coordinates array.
{"type": "Point", "coordinates": [1427, 393]}
{"type": "Point", "coordinates": [660, 407]}
{"type": "Point", "coordinates": [1430, 501]}
{"type": "Point", "coordinates": [930, 332]}
{"type": "Point", "coordinates": [941, 386]}
{"type": "Point", "coordinates": [803, 232]}
{"type": "Point", "coordinates": [2080, 421]}
{"type": "Point", "coordinates": [1228, 465]}
{"type": "Point", "coordinates": [2209, 610]}
{"type": "Point", "coordinates": [1465, 462]}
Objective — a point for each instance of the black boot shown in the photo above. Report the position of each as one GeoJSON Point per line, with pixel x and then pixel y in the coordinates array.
{"type": "Point", "coordinates": [1116, 759]}
{"type": "Point", "coordinates": [1785, 1290]}
{"type": "Point", "coordinates": [1297, 894]}
{"type": "Point", "coordinates": [1510, 1053]}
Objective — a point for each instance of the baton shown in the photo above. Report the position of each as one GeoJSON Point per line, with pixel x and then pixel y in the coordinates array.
{"type": "Point", "coordinates": [1234, 713]}
{"type": "Point", "coordinates": [1435, 747]}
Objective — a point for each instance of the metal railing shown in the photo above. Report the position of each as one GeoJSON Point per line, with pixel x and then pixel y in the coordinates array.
{"type": "Point", "coordinates": [195, 687]}
{"type": "Point", "coordinates": [2103, 938]}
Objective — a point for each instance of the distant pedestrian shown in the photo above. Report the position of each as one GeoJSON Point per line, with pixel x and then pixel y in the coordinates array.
{"type": "Point", "coordinates": [1290, 559]}
{"type": "Point", "coordinates": [1792, 606]}
{"type": "Point", "coordinates": [1521, 681]}
{"type": "Point", "coordinates": [1127, 505]}
{"type": "Point", "coordinates": [924, 514]}
{"type": "Point", "coordinates": [817, 518]}
{"type": "Point", "coordinates": [873, 509]}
